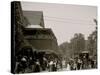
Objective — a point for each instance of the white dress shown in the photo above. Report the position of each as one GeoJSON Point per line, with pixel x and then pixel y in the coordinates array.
{"type": "Point", "coordinates": [68, 67]}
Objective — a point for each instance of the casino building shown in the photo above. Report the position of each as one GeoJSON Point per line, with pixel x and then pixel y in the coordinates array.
{"type": "Point", "coordinates": [29, 36]}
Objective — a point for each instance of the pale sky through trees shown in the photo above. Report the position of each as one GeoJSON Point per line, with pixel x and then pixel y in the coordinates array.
{"type": "Point", "coordinates": [64, 19]}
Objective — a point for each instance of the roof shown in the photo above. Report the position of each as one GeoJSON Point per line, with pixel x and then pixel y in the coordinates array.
{"type": "Point", "coordinates": [34, 17]}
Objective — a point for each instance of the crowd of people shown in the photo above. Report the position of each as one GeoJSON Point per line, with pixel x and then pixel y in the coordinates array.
{"type": "Point", "coordinates": [40, 62]}
{"type": "Point", "coordinates": [35, 63]}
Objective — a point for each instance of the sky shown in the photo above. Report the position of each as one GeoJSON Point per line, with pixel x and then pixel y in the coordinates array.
{"type": "Point", "coordinates": [64, 19]}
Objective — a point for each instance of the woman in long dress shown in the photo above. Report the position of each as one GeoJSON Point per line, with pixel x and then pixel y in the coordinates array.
{"type": "Point", "coordinates": [68, 67]}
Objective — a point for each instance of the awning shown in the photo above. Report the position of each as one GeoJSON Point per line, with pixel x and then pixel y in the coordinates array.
{"type": "Point", "coordinates": [47, 51]}
{"type": "Point", "coordinates": [85, 51]}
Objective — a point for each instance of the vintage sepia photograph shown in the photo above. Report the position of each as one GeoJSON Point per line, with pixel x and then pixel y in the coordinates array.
{"type": "Point", "coordinates": [51, 37]}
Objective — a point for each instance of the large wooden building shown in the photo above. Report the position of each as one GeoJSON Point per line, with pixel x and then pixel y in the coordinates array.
{"type": "Point", "coordinates": [37, 35]}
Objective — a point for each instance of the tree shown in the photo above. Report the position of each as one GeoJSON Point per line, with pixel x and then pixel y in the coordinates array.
{"type": "Point", "coordinates": [75, 46]}
{"type": "Point", "coordinates": [92, 41]}
{"type": "Point", "coordinates": [77, 43]}
{"type": "Point", "coordinates": [65, 49]}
